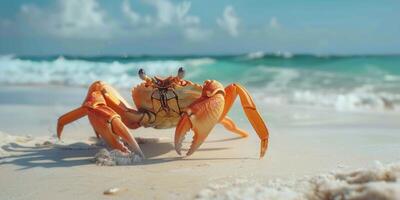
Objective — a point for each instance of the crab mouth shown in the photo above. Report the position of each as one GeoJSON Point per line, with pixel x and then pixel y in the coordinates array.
{"type": "Point", "coordinates": [162, 88]}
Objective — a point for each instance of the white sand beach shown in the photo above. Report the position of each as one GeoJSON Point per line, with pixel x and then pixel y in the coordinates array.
{"type": "Point", "coordinates": [324, 76]}
{"type": "Point", "coordinates": [305, 142]}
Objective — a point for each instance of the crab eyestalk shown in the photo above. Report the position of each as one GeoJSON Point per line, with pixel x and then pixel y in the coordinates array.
{"type": "Point", "coordinates": [142, 74]}
{"type": "Point", "coordinates": [181, 73]}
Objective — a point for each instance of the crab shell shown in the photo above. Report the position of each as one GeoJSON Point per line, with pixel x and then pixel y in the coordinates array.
{"type": "Point", "coordinates": [179, 96]}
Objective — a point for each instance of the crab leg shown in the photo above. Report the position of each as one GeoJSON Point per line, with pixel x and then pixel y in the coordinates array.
{"type": "Point", "coordinates": [109, 115]}
{"type": "Point", "coordinates": [231, 126]}
{"type": "Point", "coordinates": [232, 91]}
{"type": "Point", "coordinates": [68, 118]}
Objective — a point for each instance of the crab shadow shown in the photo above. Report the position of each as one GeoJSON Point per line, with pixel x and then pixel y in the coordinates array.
{"type": "Point", "coordinates": [48, 157]}
{"type": "Point", "coordinates": [65, 156]}
{"type": "Point", "coordinates": [56, 156]}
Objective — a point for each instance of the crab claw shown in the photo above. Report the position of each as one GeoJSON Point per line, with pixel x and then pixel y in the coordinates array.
{"type": "Point", "coordinates": [120, 130]}
{"type": "Point", "coordinates": [112, 130]}
{"type": "Point", "coordinates": [201, 116]}
{"type": "Point", "coordinates": [182, 128]}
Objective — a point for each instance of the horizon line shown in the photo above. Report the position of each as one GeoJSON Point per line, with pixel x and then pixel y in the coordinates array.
{"type": "Point", "coordinates": [261, 54]}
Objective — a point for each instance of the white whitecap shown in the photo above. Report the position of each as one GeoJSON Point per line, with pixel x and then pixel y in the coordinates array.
{"type": "Point", "coordinates": [255, 55]}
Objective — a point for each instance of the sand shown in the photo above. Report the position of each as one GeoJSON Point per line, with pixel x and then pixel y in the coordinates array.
{"type": "Point", "coordinates": [308, 145]}
{"type": "Point", "coordinates": [378, 183]}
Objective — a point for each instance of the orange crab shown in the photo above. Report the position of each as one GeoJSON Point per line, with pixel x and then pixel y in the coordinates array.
{"type": "Point", "coordinates": [164, 103]}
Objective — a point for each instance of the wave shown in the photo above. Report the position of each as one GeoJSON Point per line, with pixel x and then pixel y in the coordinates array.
{"type": "Point", "coordinates": [255, 55]}
{"type": "Point", "coordinates": [341, 91]}
{"type": "Point", "coordinates": [260, 54]}
{"type": "Point", "coordinates": [82, 73]}
{"type": "Point", "coordinates": [345, 85]}
{"type": "Point", "coordinates": [355, 100]}
{"type": "Point", "coordinates": [351, 101]}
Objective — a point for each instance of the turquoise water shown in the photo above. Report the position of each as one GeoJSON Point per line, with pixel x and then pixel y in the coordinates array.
{"type": "Point", "coordinates": [343, 82]}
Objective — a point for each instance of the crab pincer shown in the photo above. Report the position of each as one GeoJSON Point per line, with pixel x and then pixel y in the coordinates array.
{"type": "Point", "coordinates": [201, 116]}
{"type": "Point", "coordinates": [211, 108]}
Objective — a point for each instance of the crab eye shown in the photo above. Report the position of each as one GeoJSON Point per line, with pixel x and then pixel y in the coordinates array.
{"type": "Point", "coordinates": [181, 72]}
{"type": "Point", "coordinates": [142, 74]}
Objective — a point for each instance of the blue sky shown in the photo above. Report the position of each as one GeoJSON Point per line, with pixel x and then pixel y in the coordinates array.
{"type": "Point", "coordinates": [119, 27]}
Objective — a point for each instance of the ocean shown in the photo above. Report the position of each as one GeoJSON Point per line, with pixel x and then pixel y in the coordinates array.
{"type": "Point", "coordinates": [345, 83]}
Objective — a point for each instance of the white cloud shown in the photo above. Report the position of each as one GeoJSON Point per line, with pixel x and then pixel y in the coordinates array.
{"type": "Point", "coordinates": [76, 19]}
{"type": "Point", "coordinates": [84, 18]}
{"type": "Point", "coordinates": [168, 13]}
{"type": "Point", "coordinates": [168, 16]}
{"type": "Point", "coordinates": [183, 17]}
{"type": "Point", "coordinates": [165, 11]}
{"type": "Point", "coordinates": [133, 17]}
{"type": "Point", "coordinates": [229, 21]}
{"type": "Point", "coordinates": [273, 23]}
{"type": "Point", "coordinates": [70, 19]}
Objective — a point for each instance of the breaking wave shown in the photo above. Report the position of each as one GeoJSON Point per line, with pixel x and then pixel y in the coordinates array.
{"type": "Point", "coordinates": [62, 71]}
{"type": "Point", "coordinates": [348, 101]}
{"type": "Point", "coordinates": [261, 54]}
{"type": "Point", "coordinates": [343, 83]}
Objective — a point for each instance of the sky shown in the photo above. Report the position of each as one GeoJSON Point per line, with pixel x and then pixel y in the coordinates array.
{"type": "Point", "coordinates": [202, 27]}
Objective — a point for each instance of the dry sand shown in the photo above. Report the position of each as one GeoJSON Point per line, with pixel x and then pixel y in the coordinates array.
{"type": "Point", "coordinates": [307, 145]}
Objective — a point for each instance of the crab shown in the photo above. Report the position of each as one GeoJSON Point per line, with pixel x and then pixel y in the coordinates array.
{"type": "Point", "coordinates": [165, 103]}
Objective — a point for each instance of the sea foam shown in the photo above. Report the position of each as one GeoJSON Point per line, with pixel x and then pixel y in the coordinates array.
{"type": "Point", "coordinates": [373, 88]}
{"type": "Point", "coordinates": [72, 72]}
{"type": "Point", "coordinates": [379, 183]}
